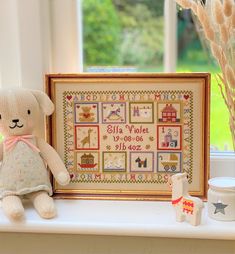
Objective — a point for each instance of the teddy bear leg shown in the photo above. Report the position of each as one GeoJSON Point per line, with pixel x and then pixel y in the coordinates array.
{"type": "Point", "coordinates": [13, 208]}
{"type": "Point", "coordinates": [43, 204]}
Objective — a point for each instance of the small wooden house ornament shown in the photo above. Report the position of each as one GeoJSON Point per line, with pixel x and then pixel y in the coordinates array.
{"type": "Point", "coordinates": [185, 205]}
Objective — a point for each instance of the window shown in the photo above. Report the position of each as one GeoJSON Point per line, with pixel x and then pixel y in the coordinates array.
{"type": "Point", "coordinates": [194, 56]}
{"type": "Point", "coordinates": [129, 36]}
{"type": "Point", "coordinates": [50, 32]}
{"type": "Point", "coordinates": [124, 33]}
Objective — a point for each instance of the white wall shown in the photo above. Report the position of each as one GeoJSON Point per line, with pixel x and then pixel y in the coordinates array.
{"type": "Point", "coordinates": [28, 29]}
{"type": "Point", "coordinates": [37, 37]}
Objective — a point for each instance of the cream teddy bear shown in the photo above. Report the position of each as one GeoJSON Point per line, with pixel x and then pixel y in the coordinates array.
{"type": "Point", "coordinates": [24, 156]}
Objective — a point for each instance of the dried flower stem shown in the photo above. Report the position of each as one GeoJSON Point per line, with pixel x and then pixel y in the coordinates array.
{"type": "Point", "coordinates": [228, 7]}
{"type": "Point", "coordinates": [218, 12]}
{"type": "Point", "coordinates": [217, 19]}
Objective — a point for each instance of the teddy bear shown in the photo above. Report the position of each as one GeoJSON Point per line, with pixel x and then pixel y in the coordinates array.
{"type": "Point", "coordinates": [86, 115]}
{"type": "Point", "coordinates": [26, 157]}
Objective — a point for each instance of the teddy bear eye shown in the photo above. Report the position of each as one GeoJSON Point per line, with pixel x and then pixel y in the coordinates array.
{"type": "Point", "coordinates": [29, 112]}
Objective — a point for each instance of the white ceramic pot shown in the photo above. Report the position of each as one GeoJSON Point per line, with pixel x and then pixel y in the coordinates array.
{"type": "Point", "coordinates": [221, 198]}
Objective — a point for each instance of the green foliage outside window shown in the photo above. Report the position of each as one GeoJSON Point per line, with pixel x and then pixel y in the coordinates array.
{"type": "Point", "coordinates": [131, 32]}
{"type": "Point", "coordinates": [141, 44]}
{"type": "Point", "coordinates": [123, 32]}
{"type": "Point", "coordinates": [101, 31]}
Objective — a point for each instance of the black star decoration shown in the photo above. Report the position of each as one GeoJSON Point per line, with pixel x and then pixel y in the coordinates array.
{"type": "Point", "coordinates": [219, 207]}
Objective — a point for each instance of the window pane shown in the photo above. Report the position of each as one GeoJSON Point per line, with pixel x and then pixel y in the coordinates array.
{"type": "Point", "coordinates": [193, 56]}
{"type": "Point", "coordinates": [126, 33]}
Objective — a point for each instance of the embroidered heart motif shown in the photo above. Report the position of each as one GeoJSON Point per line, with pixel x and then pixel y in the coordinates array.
{"type": "Point", "coordinates": [78, 106]}
{"type": "Point", "coordinates": [86, 115]}
{"type": "Point", "coordinates": [186, 97]}
{"type": "Point", "coordinates": [94, 106]}
{"type": "Point", "coordinates": [69, 97]}
{"type": "Point", "coordinates": [104, 107]}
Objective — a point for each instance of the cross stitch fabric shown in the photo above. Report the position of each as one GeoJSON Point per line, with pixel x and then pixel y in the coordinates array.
{"type": "Point", "coordinates": [119, 136]}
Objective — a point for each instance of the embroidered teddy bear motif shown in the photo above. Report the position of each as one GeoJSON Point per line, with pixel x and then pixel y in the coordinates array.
{"type": "Point", "coordinates": [86, 115]}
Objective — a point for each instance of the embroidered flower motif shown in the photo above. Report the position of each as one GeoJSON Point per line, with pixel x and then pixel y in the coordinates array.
{"type": "Point", "coordinates": [108, 147]}
{"type": "Point", "coordinates": [105, 137]}
{"type": "Point", "coordinates": [147, 147]}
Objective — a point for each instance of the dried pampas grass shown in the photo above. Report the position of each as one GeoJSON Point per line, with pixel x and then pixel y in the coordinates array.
{"type": "Point", "coordinates": [209, 33]}
{"type": "Point", "coordinates": [233, 18]}
{"type": "Point", "coordinates": [216, 51]}
{"type": "Point", "coordinates": [230, 76]}
{"type": "Point", "coordinates": [224, 33]}
{"type": "Point", "coordinates": [217, 20]}
{"type": "Point", "coordinates": [194, 7]}
{"type": "Point", "coordinates": [201, 12]}
{"type": "Point", "coordinates": [228, 7]}
{"type": "Point", "coordinates": [218, 12]}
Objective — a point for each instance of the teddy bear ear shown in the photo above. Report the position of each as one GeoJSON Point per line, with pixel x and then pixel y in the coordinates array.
{"type": "Point", "coordinates": [44, 102]}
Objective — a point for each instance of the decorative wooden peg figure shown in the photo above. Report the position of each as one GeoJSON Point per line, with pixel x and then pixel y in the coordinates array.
{"type": "Point", "coordinates": [185, 205]}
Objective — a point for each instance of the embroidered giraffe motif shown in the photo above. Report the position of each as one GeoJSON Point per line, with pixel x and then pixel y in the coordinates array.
{"type": "Point", "coordinates": [87, 139]}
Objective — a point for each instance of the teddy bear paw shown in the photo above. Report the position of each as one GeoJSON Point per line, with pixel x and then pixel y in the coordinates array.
{"type": "Point", "coordinates": [63, 178]}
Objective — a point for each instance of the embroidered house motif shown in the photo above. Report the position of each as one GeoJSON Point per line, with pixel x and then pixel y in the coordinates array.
{"type": "Point", "coordinates": [169, 112]}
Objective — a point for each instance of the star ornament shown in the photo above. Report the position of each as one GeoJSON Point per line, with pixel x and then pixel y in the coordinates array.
{"type": "Point", "coordinates": [219, 207]}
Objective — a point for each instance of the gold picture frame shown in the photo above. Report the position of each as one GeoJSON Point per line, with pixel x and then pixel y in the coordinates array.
{"type": "Point", "coordinates": [122, 135]}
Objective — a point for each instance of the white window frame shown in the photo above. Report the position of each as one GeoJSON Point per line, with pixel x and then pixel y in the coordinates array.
{"type": "Point", "coordinates": [222, 164]}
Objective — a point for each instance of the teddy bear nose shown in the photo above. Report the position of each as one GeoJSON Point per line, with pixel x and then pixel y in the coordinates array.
{"type": "Point", "coordinates": [15, 120]}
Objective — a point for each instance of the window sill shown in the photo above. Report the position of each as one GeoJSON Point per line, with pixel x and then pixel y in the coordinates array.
{"type": "Point", "coordinates": [122, 218]}
{"type": "Point", "coordinates": [118, 218]}
{"type": "Point", "coordinates": [222, 164]}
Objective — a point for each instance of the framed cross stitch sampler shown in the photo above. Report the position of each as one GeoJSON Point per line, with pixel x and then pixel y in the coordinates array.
{"type": "Point", "coordinates": [122, 136]}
